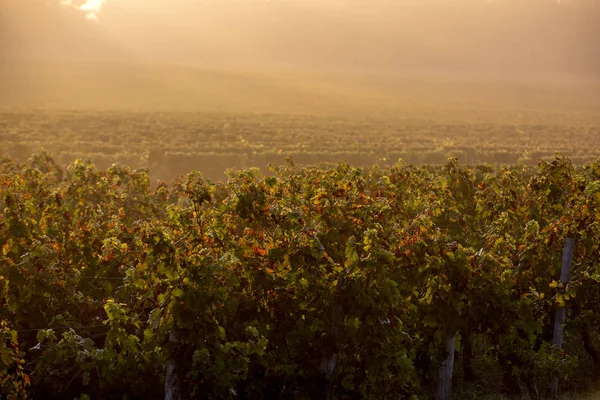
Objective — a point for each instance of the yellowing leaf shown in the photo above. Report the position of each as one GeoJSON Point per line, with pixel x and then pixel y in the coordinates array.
{"type": "Point", "coordinates": [141, 267]}
{"type": "Point", "coordinates": [148, 335]}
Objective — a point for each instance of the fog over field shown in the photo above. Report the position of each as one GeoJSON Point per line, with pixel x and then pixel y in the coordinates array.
{"type": "Point", "coordinates": [176, 85]}
{"type": "Point", "coordinates": [261, 54]}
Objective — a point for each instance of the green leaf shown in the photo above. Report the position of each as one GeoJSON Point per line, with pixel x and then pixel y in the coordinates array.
{"type": "Point", "coordinates": [252, 331]}
{"type": "Point", "coordinates": [431, 321]}
{"type": "Point", "coordinates": [317, 250]}
{"type": "Point", "coordinates": [112, 309]}
{"type": "Point", "coordinates": [385, 255]}
{"type": "Point", "coordinates": [592, 188]}
{"type": "Point", "coordinates": [17, 228]}
{"type": "Point", "coordinates": [219, 364]}
{"type": "Point", "coordinates": [351, 253]}
{"type": "Point", "coordinates": [171, 273]}
{"type": "Point", "coordinates": [148, 335]}
{"type": "Point", "coordinates": [44, 334]}
{"type": "Point", "coordinates": [154, 317]}
{"type": "Point", "coordinates": [276, 254]}
{"type": "Point", "coordinates": [85, 378]}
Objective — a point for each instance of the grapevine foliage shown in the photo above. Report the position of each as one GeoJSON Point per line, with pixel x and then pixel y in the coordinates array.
{"type": "Point", "coordinates": [310, 281]}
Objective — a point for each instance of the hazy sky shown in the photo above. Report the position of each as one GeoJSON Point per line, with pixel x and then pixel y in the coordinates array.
{"type": "Point", "coordinates": [451, 36]}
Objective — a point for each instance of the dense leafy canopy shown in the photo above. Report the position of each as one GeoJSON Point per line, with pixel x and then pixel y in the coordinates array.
{"type": "Point", "coordinates": [309, 281]}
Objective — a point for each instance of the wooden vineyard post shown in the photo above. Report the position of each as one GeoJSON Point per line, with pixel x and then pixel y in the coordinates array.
{"type": "Point", "coordinates": [173, 389]}
{"type": "Point", "coordinates": [329, 363]}
{"type": "Point", "coordinates": [561, 312]}
{"type": "Point", "coordinates": [444, 390]}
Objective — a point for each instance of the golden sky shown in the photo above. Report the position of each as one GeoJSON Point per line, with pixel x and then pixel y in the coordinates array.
{"type": "Point", "coordinates": [492, 37]}
{"type": "Point", "coordinates": [93, 8]}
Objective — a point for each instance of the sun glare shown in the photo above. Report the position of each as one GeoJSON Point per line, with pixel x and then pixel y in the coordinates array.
{"type": "Point", "coordinates": [90, 7]}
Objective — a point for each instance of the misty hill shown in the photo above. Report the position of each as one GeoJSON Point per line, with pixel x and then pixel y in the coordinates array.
{"type": "Point", "coordinates": [462, 37]}
{"type": "Point", "coordinates": [294, 56]}
{"type": "Point", "coordinates": [403, 36]}
{"type": "Point", "coordinates": [144, 87]}
{"type": "Point", "coordinates": [502, 38]}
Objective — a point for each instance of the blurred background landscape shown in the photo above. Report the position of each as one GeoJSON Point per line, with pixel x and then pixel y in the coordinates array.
{"type": "Point", "coordinates": [249, 80]}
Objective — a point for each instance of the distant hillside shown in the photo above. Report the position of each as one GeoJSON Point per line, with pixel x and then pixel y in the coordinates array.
{"type": "Point", "coordinates": [293, 56]}
{"type": "Point", "coordinates": [462, 37]}
{"type": "Point", "coordinates": [129, 86]}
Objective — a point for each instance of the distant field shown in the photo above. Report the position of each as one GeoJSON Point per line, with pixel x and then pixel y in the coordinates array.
{"type": "Point", "coordinates": [174, 119]}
